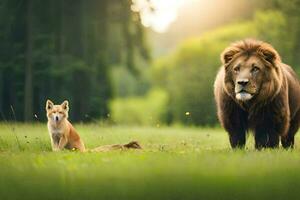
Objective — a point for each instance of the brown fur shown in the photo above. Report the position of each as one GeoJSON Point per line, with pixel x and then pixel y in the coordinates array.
{"type": "Point", "coordinates": [271, 106]}
{"type": "Point", "coordinates": [130, 145]}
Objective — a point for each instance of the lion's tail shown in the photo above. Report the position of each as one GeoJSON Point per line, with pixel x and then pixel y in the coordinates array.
{"type": "Point", "coordinates": [105, 148]}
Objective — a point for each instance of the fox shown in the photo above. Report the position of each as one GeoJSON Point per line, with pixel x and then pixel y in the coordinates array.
{"type": "Point", "coordinates": [64, 136]}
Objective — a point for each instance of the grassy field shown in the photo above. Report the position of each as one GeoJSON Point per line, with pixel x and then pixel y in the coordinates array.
{"type": "Point", "coordinates": [176, 163]}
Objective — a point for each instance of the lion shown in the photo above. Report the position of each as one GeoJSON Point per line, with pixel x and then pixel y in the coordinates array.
{"type": "Point", "coordinates": [254, 90]}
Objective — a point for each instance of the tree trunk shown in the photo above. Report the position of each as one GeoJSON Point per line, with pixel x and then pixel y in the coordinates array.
{"type": "Point", "coordinates": [127, 32]}
{"type": "Point", "coordinates": [103, 87]}
{"type": "Point", "coordinates": [28, 101]}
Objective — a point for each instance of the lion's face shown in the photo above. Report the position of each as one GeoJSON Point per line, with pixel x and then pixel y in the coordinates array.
{"type": "Point", "coordinates": [247, 75]}
{"type": "Point", "coordinates": [251, 71]}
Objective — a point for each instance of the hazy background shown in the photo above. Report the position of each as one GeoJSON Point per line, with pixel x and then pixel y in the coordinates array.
{"type": "Point", "coordinates": [130, 62]}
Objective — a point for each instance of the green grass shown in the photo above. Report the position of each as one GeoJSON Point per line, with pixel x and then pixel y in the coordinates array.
{"type": "Point", "coordinates": [176, 163]}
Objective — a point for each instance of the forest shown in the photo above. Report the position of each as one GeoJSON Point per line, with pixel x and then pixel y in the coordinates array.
{"type": "Point", "coordinates": [98, 55]}
{"type": "Point", "coordinates": [63, 49]}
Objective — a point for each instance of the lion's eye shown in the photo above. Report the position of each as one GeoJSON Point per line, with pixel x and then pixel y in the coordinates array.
{"type": "Point", "coordinates": [236, 69]}
{"type": "Point", "coordinates": [255, 69]}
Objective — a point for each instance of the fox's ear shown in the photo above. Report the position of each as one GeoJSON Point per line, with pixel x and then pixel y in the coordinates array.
{"type": "Point", "coordinates": [49, 105]}
{"type": "Point", "coordinates": [65, 105]}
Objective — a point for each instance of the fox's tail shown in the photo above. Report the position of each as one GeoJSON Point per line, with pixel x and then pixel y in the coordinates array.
{"type": "Point", "coordinates": [105, 148]}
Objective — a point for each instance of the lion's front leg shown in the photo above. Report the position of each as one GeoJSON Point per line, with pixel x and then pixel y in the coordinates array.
{"type": "Point", "coordinates": [266, 138]}
{"type": "Point", "coordinates": [236, 128]}
{"type": "Point", "coordinates": [261, 138]}
{"type": "Point", "coordinates": [273, 140]}
{"type": "Point", "coordinates": [237, 139]}
{"type": "Point", "coordinates": [234, 123]}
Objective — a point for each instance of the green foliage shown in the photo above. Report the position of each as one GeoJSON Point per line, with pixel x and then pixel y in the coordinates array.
{"type": "Point", "coordinates": [275, 21]}
{"type": "Point", "coordinates": [147, 110]}
{"type": "Point", "coordinates": [125, 83]}
{"type": "Point", "coordinates": [291, 33]}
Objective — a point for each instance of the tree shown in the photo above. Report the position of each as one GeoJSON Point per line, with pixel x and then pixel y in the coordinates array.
{"type": "Point", "coordinates": [28, 99]}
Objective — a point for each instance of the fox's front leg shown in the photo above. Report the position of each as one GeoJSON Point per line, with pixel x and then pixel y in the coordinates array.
{"type": "Point", "coordinates": [62, 143]}
{"type": "Point", "coordinates": [54, 146]}
{"type": "Point", "coordinates": [55, 142]}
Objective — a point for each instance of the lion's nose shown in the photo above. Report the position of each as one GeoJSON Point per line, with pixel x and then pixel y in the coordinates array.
{"type": "Point", "coordinates": [243, 82]}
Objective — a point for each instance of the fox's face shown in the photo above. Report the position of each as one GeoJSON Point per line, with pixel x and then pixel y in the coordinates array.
{"type": "Point", "coordinates": [56, 113]}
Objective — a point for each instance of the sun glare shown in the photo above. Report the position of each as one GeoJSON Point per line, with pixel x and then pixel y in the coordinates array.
{"type": "Point", "coordinates": [157, 14]}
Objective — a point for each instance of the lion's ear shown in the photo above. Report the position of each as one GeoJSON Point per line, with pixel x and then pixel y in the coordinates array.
{"type": "Point", "coordinates": [269, 53]}
{"type": "Point", "coordinates": [228, 54]}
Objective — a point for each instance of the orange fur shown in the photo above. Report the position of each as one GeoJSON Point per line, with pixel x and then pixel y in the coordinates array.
{"type": "Point", "coordinates": [62, 134]}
